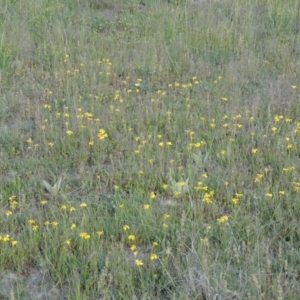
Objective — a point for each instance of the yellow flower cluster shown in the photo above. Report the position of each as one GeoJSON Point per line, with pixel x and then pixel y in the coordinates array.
{"type": "Point", "coordinates": [84, 235]}
{"type": "Point", "coordinates": [6, 238]}
{"type": "Point", "coordinates": [102, 134]}
{"type": "Point", "coordinates": [222, 219]}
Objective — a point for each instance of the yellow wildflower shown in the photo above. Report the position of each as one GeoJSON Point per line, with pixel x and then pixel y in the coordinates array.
{"type": "Point", "coordinates": [139, 263]}
{"type": "Point", "coordinates": [222, 219]}
{"type": "Point", "coordinates": [153, 256]}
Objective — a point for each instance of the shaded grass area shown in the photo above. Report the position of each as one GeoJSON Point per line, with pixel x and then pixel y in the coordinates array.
{"type": "Point", "coordinates": [173, 127]}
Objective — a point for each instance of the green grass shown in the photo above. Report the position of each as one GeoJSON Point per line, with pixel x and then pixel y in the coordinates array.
{"type": "Point", "coordinates": [174, 127]}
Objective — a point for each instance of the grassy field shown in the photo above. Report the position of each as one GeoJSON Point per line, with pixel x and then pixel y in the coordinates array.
{"type": "Point", "coordinates": [149, 150]}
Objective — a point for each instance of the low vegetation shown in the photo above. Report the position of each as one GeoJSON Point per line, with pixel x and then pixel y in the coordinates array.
{"type": "Point", "coordinates": [149, 150]}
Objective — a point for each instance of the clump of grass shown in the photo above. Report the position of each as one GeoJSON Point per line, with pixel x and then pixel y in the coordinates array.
{"type": "Point", "coordinates": [175, 129]}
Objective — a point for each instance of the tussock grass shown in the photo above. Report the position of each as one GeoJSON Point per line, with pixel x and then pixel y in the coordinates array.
{"type": "Point", "coordinates": [173, 126]}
